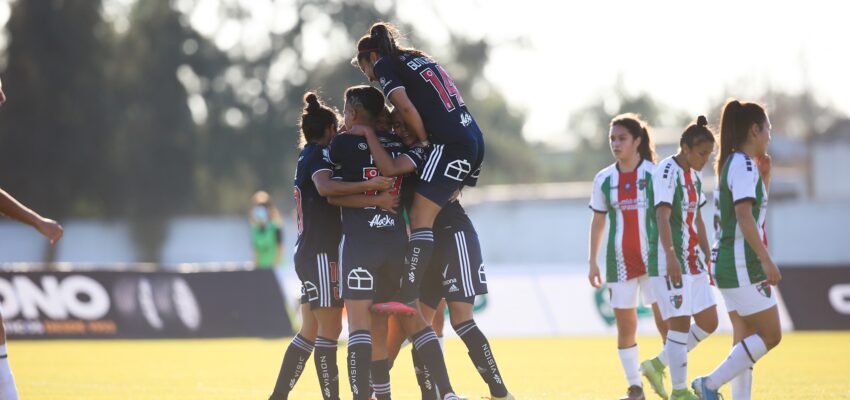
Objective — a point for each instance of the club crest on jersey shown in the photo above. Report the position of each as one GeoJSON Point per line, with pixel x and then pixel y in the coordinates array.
{"type": "Point", "coordinates": [642, 184]}
{"type": "Point", "coordinates": [458, 170]}
{"type": "Point", "coordinates": [360, 279]}
{"type": "Point", "coordinates": [676, 301]}
{"type": "Point", "coordinates": [764, 289]}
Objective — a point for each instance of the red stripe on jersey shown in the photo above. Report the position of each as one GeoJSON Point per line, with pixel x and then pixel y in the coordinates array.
{"type": "Point", "coordinates": [693, 241]}
{"type": "Point", "coordinates": [627, 194]}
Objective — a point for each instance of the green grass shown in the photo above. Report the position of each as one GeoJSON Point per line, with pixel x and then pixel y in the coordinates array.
{"type": "Point", "coordinates": [805, 366]}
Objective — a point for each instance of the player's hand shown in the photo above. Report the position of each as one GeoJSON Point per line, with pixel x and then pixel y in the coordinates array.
{"type": "Point", "coordinates": [772, 272]}
{"type": "Point", "coordinates": [674, 271]}
{"type": "Point", "coordinates": [594, 277]}
{"type": "Point", "coordinates": [765, 163]}
{"type": "Point", "coordinates": [380, 183]}
{"type": "Point", "coordinates": [386, 200]}
{"type": "Point", "coordinates": [50, 229]}
{"type": "Point", "coordinates": [360, 130]}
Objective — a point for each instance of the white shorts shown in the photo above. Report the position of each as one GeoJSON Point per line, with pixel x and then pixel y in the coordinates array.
{"type": "Point", "coordinates": [693, 296]}
{"type": "Point", "coordinates": [750, 299]}
{"type": "Point", "coordinates": [624, 295]}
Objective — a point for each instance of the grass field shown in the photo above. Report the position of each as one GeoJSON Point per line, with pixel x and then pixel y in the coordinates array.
{"type": "Point", "coordinates": [805, 366]}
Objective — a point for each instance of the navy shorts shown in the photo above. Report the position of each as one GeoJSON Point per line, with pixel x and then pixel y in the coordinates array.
{"type": "Point", "coordinates": [371, 269]}
{"type": "Point", "coordinates": [449, 167]}
{"type": "Point", "coordinates": [456, 272]}
{"type": "Point", "coordinates": [319, 275]}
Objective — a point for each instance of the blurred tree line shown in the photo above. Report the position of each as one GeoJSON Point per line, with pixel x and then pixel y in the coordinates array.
{"type": "Point", "coordinates": [143, 117]}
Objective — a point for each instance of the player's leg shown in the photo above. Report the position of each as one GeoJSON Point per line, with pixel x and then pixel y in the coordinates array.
{"type": "Point", "coordinates": [757, 306]}
{"type": "Point", "coordinates": [438, 322]}
{"type": "Point", "coordinates": [8, 390]}
{"type": "Point", "coordinates": [428, 350]}
{"type": "Point", "coordinates": [741, 384]}
{"type": "Point", "coordinates": [359, 359]}
{"type": "Point", "coordinates": [479, 350]}
{"type": "Point", "coordinates": [380, 371]}
{"type": "Point", "coordinates": [330, 325]}
{"type": "Point", "coordinates": [296, 355]}
{"type": "Point", "coordinates": [624, 301]}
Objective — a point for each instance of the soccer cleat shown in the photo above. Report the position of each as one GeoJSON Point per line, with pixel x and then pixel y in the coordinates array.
{"type": "Point", "coordinates": [683, 394]}
{"type": "Point", "coordinates": [653, 371]}
{"type": "Point", "coordinates": [394, 308]}
{"type": "Point", "coordinates": [450, 396]}
{"type": "Point", "coordinates": [702, 392]}
{"type": "Point", "coordinates": [634, 392]}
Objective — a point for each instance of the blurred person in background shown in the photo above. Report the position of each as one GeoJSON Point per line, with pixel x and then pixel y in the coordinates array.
{"type": "Point", "coordinates": [266, 232]}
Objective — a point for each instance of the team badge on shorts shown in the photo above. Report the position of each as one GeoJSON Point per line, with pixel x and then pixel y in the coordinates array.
{"type": "Point", "coordinates": [764, 289]}
{"type": "Point", "coordinates": [676, 301]}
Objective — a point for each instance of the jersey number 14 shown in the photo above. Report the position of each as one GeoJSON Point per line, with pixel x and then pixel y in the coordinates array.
{"type": "Point", "coordinates": [446, 89]}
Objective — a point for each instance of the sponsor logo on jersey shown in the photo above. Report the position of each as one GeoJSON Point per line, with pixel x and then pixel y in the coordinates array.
{"type": "Point", "coordinates": [445, 271]}
{"type": "Point", "coordinates": [676, 301]}
{"type": "Point", "coordinates": [360, 279]}
{"type": "Point", "coordinates": [458, 169]}
{"type": "Point", "coordinates": [453, 288]}
{"type": "Point", "coordinates": [465, 119]}
{"type": "Point", "coordinates": [382, 221]}
{"type": "Point", "coordinates": [310, 290]}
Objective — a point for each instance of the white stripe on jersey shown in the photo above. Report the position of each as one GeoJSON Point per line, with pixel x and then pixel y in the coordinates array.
{"type": "Point", "coordinates": [339, 264]}
{"type": "Point", "coordinates": [431, 165]}
{"type": "Point", "coordinates": [465, 268]}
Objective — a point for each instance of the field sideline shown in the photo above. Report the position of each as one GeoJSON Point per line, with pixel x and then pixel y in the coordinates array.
{"type": "Point", "coordinates": [805, 366]}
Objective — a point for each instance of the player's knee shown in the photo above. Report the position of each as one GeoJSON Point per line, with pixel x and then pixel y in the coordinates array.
{"type": "Point", "coordinates": [708, 324]}
{"type": "Point", "coordinates": [772, 339]}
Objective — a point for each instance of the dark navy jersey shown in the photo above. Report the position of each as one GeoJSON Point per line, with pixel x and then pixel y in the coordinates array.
{"type": "Point", "coordinates": [453, 218]}
{"type": "Point", "coordinates": [318, 222]}
{"type": "Point", "coordinates": [352, 162]}
{"type": "Point", "coordinates": [432, 92]}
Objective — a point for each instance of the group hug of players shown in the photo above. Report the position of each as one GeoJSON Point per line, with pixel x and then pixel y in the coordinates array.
{"type": "Point", "coordinates": [380, 228]}
{"type": "Point", "coordinates": [381, 231]}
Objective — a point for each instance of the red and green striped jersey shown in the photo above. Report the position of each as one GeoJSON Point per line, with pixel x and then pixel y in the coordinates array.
{"type": "Point", "coordinates": [627, 200]}
{"type": "Point", "coordinates": [735, 264]}
{"type": "Point", "coordinates": [682, 191]}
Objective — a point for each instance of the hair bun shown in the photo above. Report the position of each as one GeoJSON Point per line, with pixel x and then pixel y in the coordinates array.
{"type": "Point", "coordinates": [312, 102]}
{"type": "Point", "coordinates": [702, 121]}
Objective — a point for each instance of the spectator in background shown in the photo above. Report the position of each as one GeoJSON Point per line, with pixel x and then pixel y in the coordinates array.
{"type": "Point", "coordinates": [266, 232]}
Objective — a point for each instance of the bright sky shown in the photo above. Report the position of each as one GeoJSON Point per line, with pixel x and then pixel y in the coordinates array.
{"type": "Point", "coordinates": [550, 58]}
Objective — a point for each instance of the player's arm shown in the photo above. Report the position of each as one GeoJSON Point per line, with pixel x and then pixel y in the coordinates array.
{"type": "Point", "coordinates": [747, 224]}
{"type": "Point", "coordinates": [385, 200]}
{"type": "Point", "coordinates": [702, 233]}
{"type": "Point", "coordinates": [335, 187]}
{"type": "Point", "coordinates": [388, 165]}
{"type": "Point", "coordinates": [17, 211]}
{"type": "Point", "coordinates": [597, 229]}
{"type": "Point", "coordinates": [409, 114]}
{"type": "Point", "coordinates": [665, 235]}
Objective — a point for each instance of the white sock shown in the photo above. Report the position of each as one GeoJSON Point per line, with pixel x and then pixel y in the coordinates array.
{"type": "Point", "coordinates": [695, 336]}
{"type": "Point", "coordinates": [8, 391]}
{"type": "Point", "coordinates": [677, 350]}
{"type": "Point", "coordinates": [442, 343]}
{"type": "Point", "coordinates": [742, 385]}
{"type": "Point", "coordinates": [741, 358]}
{"type": "Point", "coordinates": [629, 358]}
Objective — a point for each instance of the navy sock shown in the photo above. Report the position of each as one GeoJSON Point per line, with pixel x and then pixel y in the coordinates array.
{"type": "Point", "coordinates": [326, 368]}
{"type": "Point", "coordinates": [428, 348]}
{"type": "Point", "coordinates": [381, 379]}
{"type": "Point", "coordinates": [419, 250]}
{"type": "Point", "coordinates": [292, 366]}
{"type": "Point", "coordinates": [426, 384]}
{"type": "Point", "coordinates": [359, 363]}
{"type": "Point", "coordinates": [482, 356]}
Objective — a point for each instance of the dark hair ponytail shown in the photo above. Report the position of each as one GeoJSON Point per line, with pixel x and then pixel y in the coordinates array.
{"type": "Point", "coordinates": [638, 128]}
{"type": "Point", "coordinates": [735, 123]}
{"type": "Point", "coordinates": [382, 39]}
{"type": "Point", "coordinates": [365, 99]}
{"type": "Point", "coordinates": [697, 133]}
{"type": "Point", "coordinates": [315, 118]}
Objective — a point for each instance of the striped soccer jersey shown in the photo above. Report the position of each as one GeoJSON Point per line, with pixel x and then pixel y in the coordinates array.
{"type": "Point", "coordinates": [682, 192]}
{"type": "Point", "coordinates": [627, 199]}
{"type": "Point", "coordinates": [734, 263]}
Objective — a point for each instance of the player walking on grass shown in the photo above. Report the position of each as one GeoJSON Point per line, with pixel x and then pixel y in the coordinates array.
{"type": "Point", "coordinates": [316, 252]}
{"type": "Point", "coordinates": [53, 232]}
{"type": "Point", "coordinates": [679, 281]}
{"type": "Point", "coordinates": [623, 194]}
{"type": "Point", "coordinates": [433, 109]}
{"type": "Point", "coordinates": [741, 264]}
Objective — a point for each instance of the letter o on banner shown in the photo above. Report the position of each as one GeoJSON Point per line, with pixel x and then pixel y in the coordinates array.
{"type": "Point", "coordinates": [97, 304]}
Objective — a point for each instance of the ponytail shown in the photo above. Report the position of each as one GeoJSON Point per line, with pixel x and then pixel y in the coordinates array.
{"type": "Point", "coordinates": [382, 39]}
{"type": "Point", "coordinates": [315, 118]}
{"type": "Point", "coordinates": [735, 124]}
{"type": "Point", "coordinates": [638, 128]}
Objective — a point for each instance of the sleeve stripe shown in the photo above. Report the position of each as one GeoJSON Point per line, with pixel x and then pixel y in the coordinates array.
{"type": "Point", "coordinates": [597, 211]}
{"type": "Point", "coordinates": [320, 170]}
{"type": "Point", "coordinates": [412, 161]}
{"type": "Point", "coordinates": [393, 90]}
{"type": "Point", "coordinates": [750, 199]}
